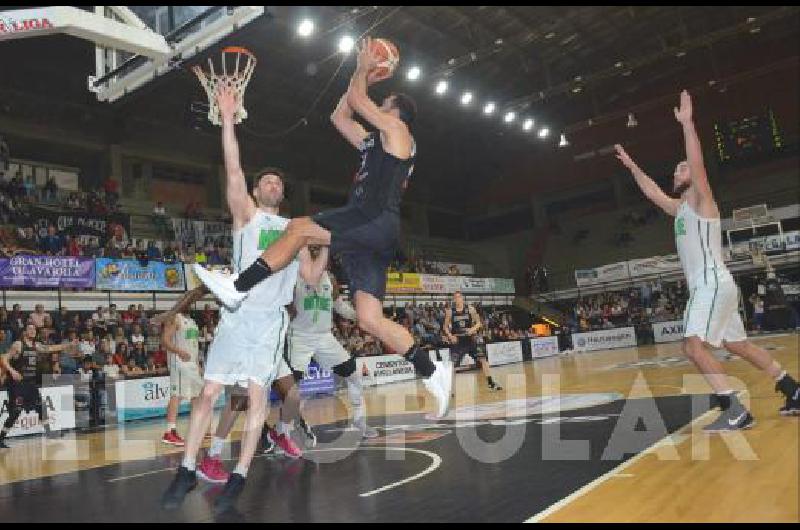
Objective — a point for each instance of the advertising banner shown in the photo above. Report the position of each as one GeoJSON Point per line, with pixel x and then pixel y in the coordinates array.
{"type": "Point", "coordinates": [60, 404]}
{"type": "Point", "coordinates": [133, 275]}
{"type": "Point", "coordinates": [47, 271]}
{"type": "Point", "coordinates": [504, 352]}
{"type": "Point", "coordinates": [604, 339]}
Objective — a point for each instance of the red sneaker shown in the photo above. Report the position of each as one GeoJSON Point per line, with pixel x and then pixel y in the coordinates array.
{"type": "Point", "coordinates": [212, 470]}
{"type": "Point", "coordinates": [173, 438]}
{"type": "Point", "coordinates": [285, 444]}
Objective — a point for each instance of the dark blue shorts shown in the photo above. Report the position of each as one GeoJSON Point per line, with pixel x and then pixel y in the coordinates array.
{"type": "Point", "coordinates": [365, 246]}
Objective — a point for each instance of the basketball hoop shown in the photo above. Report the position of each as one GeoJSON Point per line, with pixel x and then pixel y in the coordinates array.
{"type": "Point", "coordinates": [243, 62]}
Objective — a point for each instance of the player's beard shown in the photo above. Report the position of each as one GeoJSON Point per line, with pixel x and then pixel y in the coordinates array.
{"type": "Point", "coordinates": [270, 201]}
{"type": "Point", "coordinates": [679, 190]}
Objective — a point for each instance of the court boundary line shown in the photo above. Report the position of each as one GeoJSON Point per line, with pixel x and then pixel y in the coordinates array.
{"type": "Point", "coordinates": [436, 462]}
{"type": "Point", "coordinates": [676, 438]}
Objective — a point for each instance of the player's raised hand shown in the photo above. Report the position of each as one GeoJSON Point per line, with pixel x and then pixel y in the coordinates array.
{"type": "Point", "coordinates": [684, 113]}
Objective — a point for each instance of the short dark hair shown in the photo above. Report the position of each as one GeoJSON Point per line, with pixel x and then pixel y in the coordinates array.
{"type": "Point", "coordinates": [269, 171]}
{"type": "Point", "coordinates": [406, 106]}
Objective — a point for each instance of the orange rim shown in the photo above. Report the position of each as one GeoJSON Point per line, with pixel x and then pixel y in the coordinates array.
{"type": "Point", "coordinates": [237, 49]}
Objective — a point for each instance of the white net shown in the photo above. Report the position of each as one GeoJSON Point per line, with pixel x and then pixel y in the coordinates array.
{"type": "Point", "coordinates": [241, 62]}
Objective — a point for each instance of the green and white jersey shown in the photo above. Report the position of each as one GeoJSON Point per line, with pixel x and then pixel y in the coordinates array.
{"type": "Point", "coordinates": [314, 305]}
{"type": "Point", "coordinates": [699, 243]}
{"type": "Point", "coordinates": [186, 338]}
{"type": "Point", "coordinates": [248, 244]}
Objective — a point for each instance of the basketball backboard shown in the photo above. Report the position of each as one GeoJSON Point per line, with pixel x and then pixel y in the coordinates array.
{"type": "Point", "coordinates": [187, 30]}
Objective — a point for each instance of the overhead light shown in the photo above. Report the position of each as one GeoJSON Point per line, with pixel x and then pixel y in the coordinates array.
{"type": "Point", "coordinates": [488, 108]}
{"type": "Point", "coordinates": [680, 53]}
{"type": "Point", "coordinates": [563, 142]}
{"type": "Point", "coordinates": [466, 98]}
{"type": "Point", "coordinates": [441, 87]}
{"type": "Point", "coordinates": [577, 89]}
{"type": "Point", "coordinates": [498, 42]}
{"type": "Point", "coordinates": [631, 121]}
{"type": "Point", "coordinates": [527, 125]}
{"type": "Point", "coordinates": [618, 64]}
{"type": "Point", "coordinates": [755, 29]}
{"type": "Point", "coordinates": [544, 132]}
{"type": "Point", "coordinates": [305, 28]}
{"type": "Point", "coordinates": [750, 20]}
{"type": "Point", "coordinates": [550, 35]}
{"type": "Point", "coordinates": [626, 73]}
{"type": "Point", "coordinates": [578, 78]}
{"type": "Point", "coordinates": [346, 44]}
{"type": "Point", "coordinates": [509, 117]}
{"type": "Point", "coordinates": [413, 73]}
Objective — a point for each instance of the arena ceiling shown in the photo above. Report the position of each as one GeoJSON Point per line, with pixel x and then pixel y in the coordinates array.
{"type": "Point", "coordinates": [560, 65]}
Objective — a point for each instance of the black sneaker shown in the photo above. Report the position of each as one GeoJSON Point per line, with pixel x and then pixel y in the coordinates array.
{"type": "Point", "coordinates": [495, 388]}
{"type": "Point", "coordinates": [267, 445]}
{"type": "Point", "coordinates": [792, 406]}
{"type": "Point", "coordinates": [233, 488]}
{"type": "Point", "coordinates": [184, 482]}
{"type": "Point", "coordinates": [308, 433]}
{"type": "Point", "coordinates": [3, 444]}
{"type": "Point", "coordinates": [733, 419]}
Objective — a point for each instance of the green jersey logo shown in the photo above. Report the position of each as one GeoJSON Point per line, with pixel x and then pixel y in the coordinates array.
{"type": "Point", "coordinates": [267, 238]}
{"type": "Point", "coordinates": [192, 333]}
{"type": "Point", "coordinates": [680, 228]}
{"type": "Point", "coordinates": [316, 304]}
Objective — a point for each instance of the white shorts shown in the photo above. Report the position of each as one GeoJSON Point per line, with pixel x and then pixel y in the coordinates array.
{"type": "Point", "coordinates": [323, 347]}
{"type": "Point", "coordinates": [712, 313]}
{"type": "Point", "coordinates": [247, 346]}
{"type": "Point", "coordinates": [185, 381]}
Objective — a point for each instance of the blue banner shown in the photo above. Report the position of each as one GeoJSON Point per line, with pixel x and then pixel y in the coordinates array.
{"type": "Point", "coordinates": [133, 275]}
{"type": "Point", "coordinates": [316, 382]}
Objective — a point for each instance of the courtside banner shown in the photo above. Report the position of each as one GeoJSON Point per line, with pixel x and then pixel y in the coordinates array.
{"type": "Point", "coordinates": [133, 275]}
{"type": "Point", "coordinates": [668, 331]}
{"type": "Point", "coordinates": [604, 274]}
{"type": "Point", "coordinates": [654, 265]}
{"type": "Point", "coordinates": [404, 282]}
{"type": "Point", "coordinates": [382, 369]}
{"type": "Point", "coordinates": [317, 381]}
{"type": "Point", "coordinates": [148, 398]}
{"type": "Point", "coordinates": [544, 347]}
{"type": "Point", "coordinates": [604, 339]}
{"type": "Point", "coordinates": [504, 352]}
{"type": "Point", "coordinates": [60, 404]}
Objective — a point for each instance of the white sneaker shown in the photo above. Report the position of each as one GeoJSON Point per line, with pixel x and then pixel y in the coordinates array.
{"type": "Point", "coordinates": [440, 384]}
{"type": "Point", "coordinates": [220, 286]}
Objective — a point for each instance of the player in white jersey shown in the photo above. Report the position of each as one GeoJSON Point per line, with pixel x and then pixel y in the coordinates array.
{"type": "Point", "coordinates": [311, 336]}
{"type": "Point", "coordinates": [248, 344]}
{"type": "Point", "coordinates": [180, 340]}
{"type": "Point", "coordinates": [711, 315]}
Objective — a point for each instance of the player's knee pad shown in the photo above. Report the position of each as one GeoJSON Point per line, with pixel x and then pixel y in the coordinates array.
{"type": "Point", "coordinates": [346, 368]}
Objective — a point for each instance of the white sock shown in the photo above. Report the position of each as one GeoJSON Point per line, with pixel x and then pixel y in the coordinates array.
{"type": "Point", "coordinates": [726, 393]}
{"type": "Point", "coordinates": [216, 447]}
{"type": "Point", "coordinates": [783, 374]}
{"type": "Point", "coordinates": [189, 463]}
{"type": "Point", "coordinates": [285, 428]}
{"type": "Point", "coordinates": [240, 470]}
{"type": "Point", "coordinates": [171, 427]}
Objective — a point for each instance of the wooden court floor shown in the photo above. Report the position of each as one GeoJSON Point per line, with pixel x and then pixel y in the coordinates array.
{"type": "Point", "coordinates": [688, 476]}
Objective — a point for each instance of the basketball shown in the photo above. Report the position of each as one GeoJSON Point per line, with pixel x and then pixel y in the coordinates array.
{"type": "Point", "coordinates": [389, 58]}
